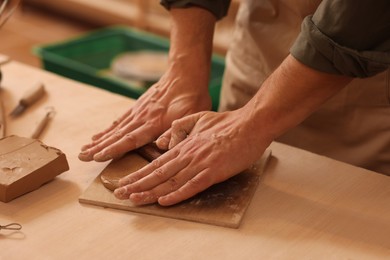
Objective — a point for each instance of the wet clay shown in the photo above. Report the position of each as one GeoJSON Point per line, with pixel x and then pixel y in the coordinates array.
{"type": "Point", "coordinates": [118, 169]}
{"type": "Point", "coordinates": [222, 204]}
{"type": "Point", "coordinates": [26, 164]}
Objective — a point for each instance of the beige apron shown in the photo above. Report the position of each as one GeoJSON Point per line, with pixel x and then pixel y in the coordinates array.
{"type": "Point", "coordinates": [353, 126]}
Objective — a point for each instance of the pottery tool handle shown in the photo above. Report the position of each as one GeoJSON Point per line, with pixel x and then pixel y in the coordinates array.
{"type": "Point", "coordinates": [2, 119]}
{"type": "Point", "coordinates": [42, 124]}
{"type": "Point", "coordinates": [33, 94]}
{"type": "Point", "coordinates": [2, 114]}
{"type": "Point", "coordinates": [150, 151]}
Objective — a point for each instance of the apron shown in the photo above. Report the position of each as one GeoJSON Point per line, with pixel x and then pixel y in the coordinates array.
{"type": "Point", "coordinates": [353, 126]}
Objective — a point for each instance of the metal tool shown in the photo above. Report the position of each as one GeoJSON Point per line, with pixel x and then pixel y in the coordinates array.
{"type": "Point", "coordinates": [29, 98]}
{"type": "Point", "coordinates": [11, 226]}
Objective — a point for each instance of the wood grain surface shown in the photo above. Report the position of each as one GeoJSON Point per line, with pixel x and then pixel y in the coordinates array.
{"type": "Point", "coordinates": [306, 206]}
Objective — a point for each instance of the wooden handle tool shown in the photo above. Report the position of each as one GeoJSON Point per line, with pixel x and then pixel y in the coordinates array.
{"type": "Point", "coordinates": [43, 123]}
{"type": "Point", "coordinates": [29, 98]}
{"type": "Point", "coordinates": [2, 119]}
{"type": "Point", "coordinates": [2, 113]}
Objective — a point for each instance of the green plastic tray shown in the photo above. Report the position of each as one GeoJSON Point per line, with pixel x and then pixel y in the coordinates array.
{"type": "Point", "coordinates": [85, 57]}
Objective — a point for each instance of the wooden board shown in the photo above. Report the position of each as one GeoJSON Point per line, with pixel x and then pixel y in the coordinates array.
{"type": "Point", "coordinates": [223, 204]}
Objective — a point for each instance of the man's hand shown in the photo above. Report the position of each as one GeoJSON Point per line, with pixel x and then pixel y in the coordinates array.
{"type": "Point", "coordinates": [150, 116]}
{"type": "Point", "coordinates": [183, 90]}
{"type": "Point", "coordinates": [204, 149]}
{"type": "Point", "coordinates": [207, 148]}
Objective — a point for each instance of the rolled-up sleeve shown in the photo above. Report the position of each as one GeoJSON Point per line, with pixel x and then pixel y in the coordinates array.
{"type": "Point", "coordinates": [346, 37]}
{"type": "Point", "coordinates": [218, 7]}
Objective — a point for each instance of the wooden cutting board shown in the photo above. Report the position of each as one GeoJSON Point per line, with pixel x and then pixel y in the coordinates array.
{"type": "Point", "coordinates": [223, 204]}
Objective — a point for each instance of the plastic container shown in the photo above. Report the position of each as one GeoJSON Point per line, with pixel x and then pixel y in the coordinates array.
{"type": "Point", "coordinates": [85, 59]}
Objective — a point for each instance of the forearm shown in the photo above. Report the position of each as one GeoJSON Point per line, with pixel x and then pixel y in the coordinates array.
{"type": "Point", "coordinates": [289, 95]}
{"type": "Point", "coordinates": [191, 42]}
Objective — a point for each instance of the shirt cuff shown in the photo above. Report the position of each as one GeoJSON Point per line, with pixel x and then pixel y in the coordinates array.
{"type": "Point", "coordinates": [318, 51]}
{"type": "Point", "coordinates": [217, 7]}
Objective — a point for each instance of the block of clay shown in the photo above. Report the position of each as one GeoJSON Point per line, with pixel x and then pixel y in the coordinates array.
{"type": "Point", "coordinates": [26, 164]}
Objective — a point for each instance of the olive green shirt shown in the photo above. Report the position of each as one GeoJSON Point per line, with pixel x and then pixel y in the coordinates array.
{"type": "Point", "coordinates": [345, 37]}
{"type": "Point", "coordinates": [218, 7]}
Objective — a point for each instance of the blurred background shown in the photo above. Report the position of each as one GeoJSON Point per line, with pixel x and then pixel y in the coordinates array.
{"type": "Point", "coordinates": [38, 22]}
{"type": "Point", "coordinates": [115, 45]}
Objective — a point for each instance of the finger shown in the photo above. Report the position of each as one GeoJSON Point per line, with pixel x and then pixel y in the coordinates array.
{"type": "Point", "coordinates": [163, 141]}
{"type": "Point", "coordinates": [128, 125]}
{"type": "Point", "coordinates": [181, 128]}
{"type": "Point", "coordinates": [128, 142]}
{"type": "Point", "coordinates": [123, 119]}
{"type": "Point", "coordinates": [146, 189]}
{"type": "Point", "coordinates": [143, 172]}
{"type": "Point", "coordinates": [99, 146]}
{"type": "Point", "coordinates": [118, 125]}
{"type": "Point", "coordinates": [147, 169]}
{"type": "Point", "coordinates": [109, 129]}
{"type": "Point", "coordinates": [197, 184]}
{"type": "Point", "coordinates": [170, 185]}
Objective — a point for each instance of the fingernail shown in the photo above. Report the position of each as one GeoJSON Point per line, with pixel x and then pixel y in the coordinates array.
{"type": "Point", "coordinates": [119, 192]}
{"type": "Point", "coordinates": [85, 152]}
{"type": "Point", "coordinates": [102, 157]}
{"type": "Point", "coordinates": [142, 198]}
{"type": "Point", "coordinates": [125, 181]}
{"type": "Point", "coordinates": [162, 142]}
{"type": "Point", "coordinates": [84, 155]}
{"type": "Point", "coordinates": [136, 197]}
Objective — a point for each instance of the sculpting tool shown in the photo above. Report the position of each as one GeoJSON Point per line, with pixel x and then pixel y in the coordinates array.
{"type": "Point", "coordinates": [12, 226]}
{"type": "Point", "coordinates": [2, 118]}
{"type": "Point", "coordinates": [43, 123]}
{"type": "Point", "coordinates": [2, 112]}
{"type": "Point", "coordinates": [29, 98]}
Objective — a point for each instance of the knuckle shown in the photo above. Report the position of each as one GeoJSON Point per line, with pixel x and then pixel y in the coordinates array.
{"type": "Point", "coordinates": [173, 183]}
{"type": "Point", "coordinates": [115, 123]}
{"type": "Point", "coordinates": [176, 153]}
{"type": "Point", "coordinates": [156, 163]}
{"type": "Point", "coordinates": [199, 183]}
{"type": "Point", "coordinates": [176, 125]}
{"type": "Point", "coordinates": [195, 183]}
{"type": "Point", "coordinates": [127, 180]}
{"type": "Point", "coordinates": [129, 137]}
{"type": "Point", "coordinates": [118, 134]}
{"type": "Point", "coordinates": [130, 140]}
{"type": "Point", "coordinates": [150, 196]}
{"type": "Point", "coordinates": [159, 173]}
{"type": "Point", "coordinates": [134, 187]}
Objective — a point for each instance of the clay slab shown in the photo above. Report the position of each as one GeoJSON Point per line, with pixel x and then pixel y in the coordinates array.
{"type": "Point", "coordinates": [223, 204]}
{"type": "Point", "coordinates": [26, 164]}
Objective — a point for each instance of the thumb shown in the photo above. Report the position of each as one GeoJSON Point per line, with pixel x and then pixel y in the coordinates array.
{"type": "Point", "coordinates": [163, 141]}
{"type": "Point", "coordinates": [180, 129]}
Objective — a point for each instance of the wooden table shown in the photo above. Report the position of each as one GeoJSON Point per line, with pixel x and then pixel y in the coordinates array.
{"type": "Point", "coordinates": [306, 206]}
